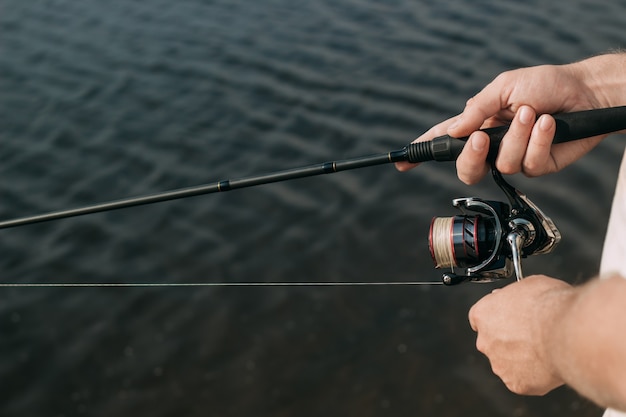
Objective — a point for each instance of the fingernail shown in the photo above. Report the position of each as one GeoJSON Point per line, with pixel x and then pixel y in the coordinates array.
{"type": "Point", "coordinates": [545, 122]}
{"type": "Point", "coordinates": [525, 115]}
{"type": "Point", "coordinates": [478, 142]}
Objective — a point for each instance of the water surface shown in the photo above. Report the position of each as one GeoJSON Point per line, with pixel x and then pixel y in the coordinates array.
{"type": "Point", "coordinates": [105, 100]}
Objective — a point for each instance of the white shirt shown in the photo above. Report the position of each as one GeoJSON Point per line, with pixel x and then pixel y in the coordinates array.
{"type": "Point", "coordinates": [614, 250]}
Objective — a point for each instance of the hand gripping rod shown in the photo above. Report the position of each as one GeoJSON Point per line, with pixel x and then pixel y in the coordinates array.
{"type": "Point", "coordinates": [569, 126]}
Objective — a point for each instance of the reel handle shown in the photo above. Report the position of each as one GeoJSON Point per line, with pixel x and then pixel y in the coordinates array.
{"type": "Point", "coordinates": [569, 126]}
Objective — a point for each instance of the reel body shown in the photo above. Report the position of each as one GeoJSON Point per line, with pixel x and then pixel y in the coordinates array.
{"type": "Point", "coordinates": [490, 238]}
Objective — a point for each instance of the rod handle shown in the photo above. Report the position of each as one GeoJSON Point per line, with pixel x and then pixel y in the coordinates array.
{"type": "Point", "coordinates": [569, 126]}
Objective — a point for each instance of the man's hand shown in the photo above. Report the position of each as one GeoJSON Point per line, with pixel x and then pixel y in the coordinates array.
{"type": "Point", "coordinates": [524, 99]}
{"type": "Point", "coordinates": [514, 326]}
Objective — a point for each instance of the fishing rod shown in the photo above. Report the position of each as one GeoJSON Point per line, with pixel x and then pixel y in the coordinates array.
{"type": "Point", "coordinates": [569, 126]}
{"type": "Point", "coordinates": [489, 244]}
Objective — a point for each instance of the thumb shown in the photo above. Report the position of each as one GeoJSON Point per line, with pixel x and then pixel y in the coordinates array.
{"type": "Point", "coordinates": [471, 165]}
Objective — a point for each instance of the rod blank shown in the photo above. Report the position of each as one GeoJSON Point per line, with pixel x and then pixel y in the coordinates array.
{"type": "Point", "coordinates": [220, 186]}
{"type": "Point", "coordinates": [570, 126]}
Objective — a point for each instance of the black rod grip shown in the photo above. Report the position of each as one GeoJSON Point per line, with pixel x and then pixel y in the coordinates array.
{"type": "Point", "coordinates": [588, 123]}
{"type": "Point", "coordinates": [569, 126]}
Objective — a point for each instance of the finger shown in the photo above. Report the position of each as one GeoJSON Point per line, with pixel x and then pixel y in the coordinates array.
{"type": "Point", "coordinates": [471, 164]}
{"type": "Point", "coordinates": [435, 131]}
{"type": "Point", "coordinates": [484, 105]}
{"type": "Point", "coordinates": [537, 159]}
{"type": "Point", "coordinates": [515, 141]}
{"type": "Point", "coordinates": [471, 316]}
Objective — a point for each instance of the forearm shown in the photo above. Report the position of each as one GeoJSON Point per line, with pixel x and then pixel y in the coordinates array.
{"type": "Point", "coordinates": [587, 345]}
{"type": "Point", "coordinates": [603, 78]}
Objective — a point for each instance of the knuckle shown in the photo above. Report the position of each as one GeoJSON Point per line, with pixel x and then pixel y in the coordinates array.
{"type": "Point", "coordinates": [474, 311]}
{"type": "Point", "coordinates": [495, 368]}
{"type": "Point", "coordinates": [504, 78]}
{"type": "Point", "coordinates": [508, 167]}
{"type": "Point", "coordinates": [516, 387]}
{"type": "Point", "coordinates": [533, 170]}
{"type": "Point", "coordinates": [473, 318]}
{"type": "Point", "coordinates": [482, 347]}
{"type": "Point", "coordinates": [466, 173]}
{"type": "Point", "coordinates": [468, 180]}
{"type": "Point", "coordinates": [542, 143]}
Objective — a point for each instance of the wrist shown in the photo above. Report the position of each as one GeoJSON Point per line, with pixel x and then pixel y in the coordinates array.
{"type": "Point", "coordinates": [554, 331]}
{"type": "Point", "coordinates": [586, 341]}
{"type": "Point", "coordinates": [603, 79]}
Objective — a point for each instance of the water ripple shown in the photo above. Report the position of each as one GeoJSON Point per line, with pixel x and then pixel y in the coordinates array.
{"type": "Point", "coordinates": [105, 100]}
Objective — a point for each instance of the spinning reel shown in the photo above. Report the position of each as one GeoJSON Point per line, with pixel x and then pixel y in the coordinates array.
{"type": "Point", "coordinates": [490, 243]}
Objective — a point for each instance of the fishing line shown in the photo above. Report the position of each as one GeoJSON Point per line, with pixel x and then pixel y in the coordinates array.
{"type": "Point", "coordinates": [442, 249]}
{"type": "Point", "coordinates": [219, 284]}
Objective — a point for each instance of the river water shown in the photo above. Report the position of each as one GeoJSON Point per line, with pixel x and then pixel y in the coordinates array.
{"type": "Point", "coordinates": [104, 100]}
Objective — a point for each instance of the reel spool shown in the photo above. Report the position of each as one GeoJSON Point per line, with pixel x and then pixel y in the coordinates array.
{"type": "Point", "coordinates": [460, 241]}
{"type": "Point", "coordinates": [490, 243]}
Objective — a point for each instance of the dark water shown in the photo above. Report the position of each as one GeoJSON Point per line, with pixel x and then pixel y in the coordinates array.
{"type": "Point", "coordinates": [103, 100]}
